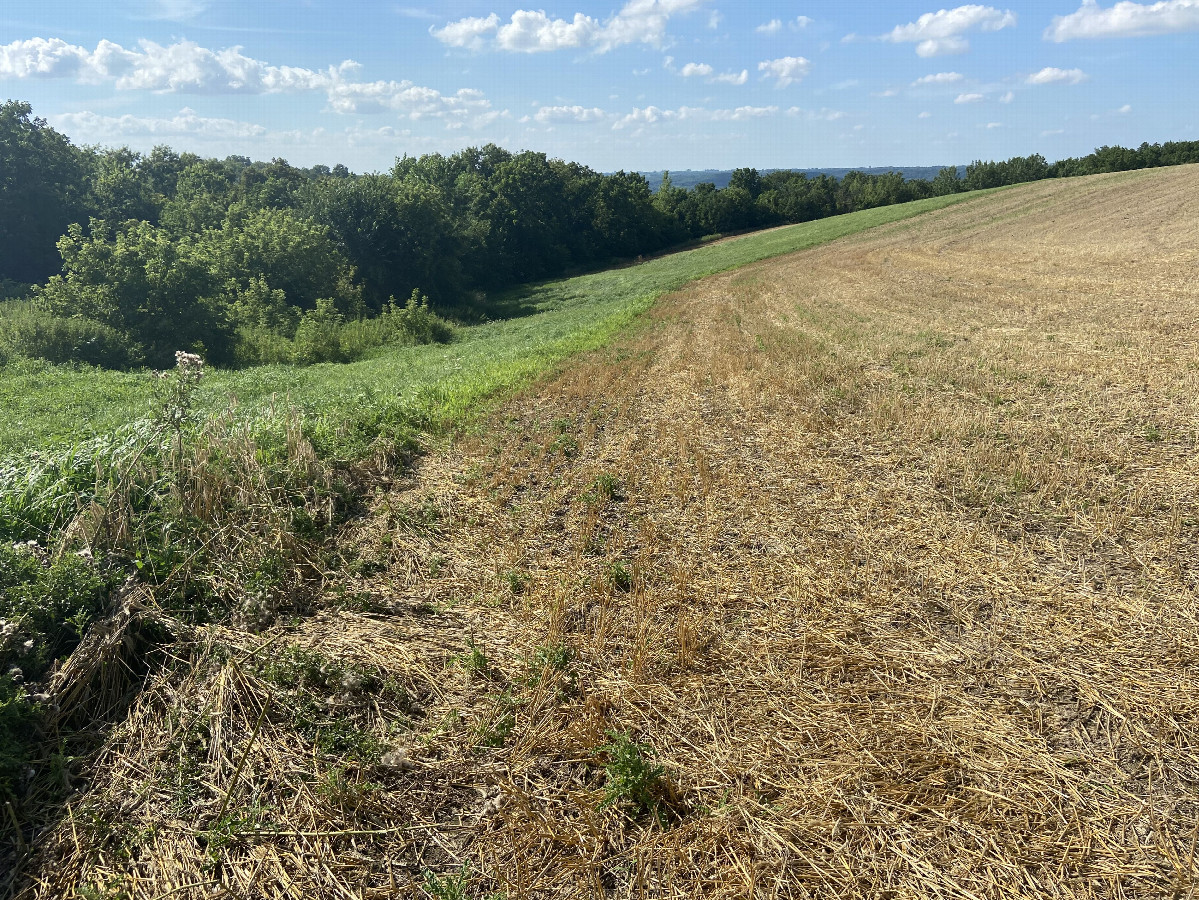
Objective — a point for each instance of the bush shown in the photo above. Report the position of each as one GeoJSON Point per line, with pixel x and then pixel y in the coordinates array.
{"type": "Point", "coordinates": [412, 323]}
{"type": "Point", "coordinates": [27, 331]}
{"type": "Point", "coordinates": [318, 336]}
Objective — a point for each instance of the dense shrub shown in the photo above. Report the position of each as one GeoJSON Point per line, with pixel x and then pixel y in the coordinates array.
{"type": "Point", "coordinates": [27, 331]}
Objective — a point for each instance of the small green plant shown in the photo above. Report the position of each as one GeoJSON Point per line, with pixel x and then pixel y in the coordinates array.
{"type": "Point", "coordinates": [448, 887]}
{"type": "Point", "coordinates": [499, 727]}
{"type": "Point", "coordinates": [475, 662]}
{"type": "Point", "coordinates": [554, 658]}
{"type": "Point", "coordinates": [1152, 433]}
{"type": "Point", "coordinates": [338, 789]}
{"type": "Point", "coordinates": [633, 782]}
{"type": "Point", "coordinates": [605, 487]}
{"type": "Point", "coordinates": [516, 581]}
{"type": "Point", "coordinates": [619, 578]}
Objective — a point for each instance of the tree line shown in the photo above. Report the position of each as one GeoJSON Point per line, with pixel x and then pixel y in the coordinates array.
{"type": "Point", "coordinates": [118, 258]}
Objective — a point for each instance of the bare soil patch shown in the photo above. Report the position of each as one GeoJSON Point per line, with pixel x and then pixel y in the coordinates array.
{"type": "Point", "coordinates": [889, 550]}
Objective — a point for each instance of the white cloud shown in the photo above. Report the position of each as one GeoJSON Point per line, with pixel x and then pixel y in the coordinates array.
{"type": "Point", "coordinates": [938, 78]}
{"type": "Point", "coordinates": [737, 78]}
{"type": "Point", "coordinates": [468, 33]}
{"type": "Point", "coordinates": [821, 115]}
{"type": "Point", "coordinates": [1051, 75]}
{"type": "Point", "coordinates": [653, 115]}
{"type": "Point", "coordinates": [1125, 19]}
{"type": "Point", "coordinates": [774, 26]}
{"type": "Point", "coordinates": [941, 33]}
{"type": "Point", "coordinates": [786, 71]}
{"type": "Point", "coordinates": [183, 67]}
{"type": "Point", "coordinates": [569, 115]}
{"type": "Point", "coordinates": [411, 101]}
{"type": "Point", "coordinates": [1053, 132]}
{"type": "Point", "coordinates": [889, 92]}
{"type": "Point", "coordinates": [187, 68]}
{"type": "Point", "coordinates": [925, 115]}
{"type": "Point", "coordinates": [968, 98]}
{"type": "Point", "coordinates": [705, 71]}
{"type": "Point", "coordinates": [187, 123]}
{"type": "Point", "coordinates": [714, 19]}
{"type": "Point", "coordinates": [1124, 110]}
{"type": "Point", "coordinates": [650, 115]}
{"type": "Point", "coordinates": [1008, 97]}
{"type": "Point", "coordinates": [533, 31]}
{"type": "Point", "coordinates": [991, 125]}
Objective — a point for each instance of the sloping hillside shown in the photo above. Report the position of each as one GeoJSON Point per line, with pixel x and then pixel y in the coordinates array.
{"type": "Point", "coordinates": [870, 571]}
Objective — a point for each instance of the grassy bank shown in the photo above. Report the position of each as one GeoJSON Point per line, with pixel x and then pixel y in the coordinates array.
{"type": "Point", "coordinates": [348, 405]}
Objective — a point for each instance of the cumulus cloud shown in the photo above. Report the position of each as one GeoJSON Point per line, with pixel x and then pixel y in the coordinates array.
{"type": "Point", "coordinates": [1125, 19]}
{"type": "Point", "coordinates": [705, 71]}
{"type": "Point", "coordinates": [938, 78]}
{"type": "Point", "coordinates": [533, 31]}
{"type": "Point", "coordinates": [469, 33]}
{"type": "Point", "coordinates": [925, 115]}
{"type": "Point", "coordinates": [653, 115]}
{"type": "Point", "coordinates": [968, 98]}
{"type": "Point", "coordinates": [569, 115]}
{"type": "Point", "coordinates": [180, 67]}
{"type": "Point", "coordinates": [774, 26]}
{"type": "Point", "coordinates": [1051, 75]}
{"type": "Point", "coordinates": [187, 68]}
{"type": "Point", "coordinates": [1008, 97]}
{"type": "Point", "coordinates": [186, 123]}
{"type": "Point", "coordinates": [942, 32]}
{"type": "Point", "coordinates": [786, 70]}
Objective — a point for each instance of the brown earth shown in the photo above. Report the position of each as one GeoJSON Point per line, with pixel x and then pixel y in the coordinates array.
{"type": "Point", "coordinates": [887, 549]}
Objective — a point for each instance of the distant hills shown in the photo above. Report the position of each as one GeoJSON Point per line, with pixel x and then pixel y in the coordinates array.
{"type": "Point", "coordinates": [689, 178]}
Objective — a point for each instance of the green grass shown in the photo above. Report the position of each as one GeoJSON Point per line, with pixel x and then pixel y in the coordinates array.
{"type": "Point", "coordinates": [426, 387]}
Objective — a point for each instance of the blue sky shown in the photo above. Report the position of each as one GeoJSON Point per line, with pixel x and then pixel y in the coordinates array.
{"type": "Point", "coordinates": [614, 84]}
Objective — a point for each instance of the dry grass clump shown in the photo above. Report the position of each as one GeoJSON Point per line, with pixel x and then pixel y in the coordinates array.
{"type": "Point", "coordinates": [865, 573]}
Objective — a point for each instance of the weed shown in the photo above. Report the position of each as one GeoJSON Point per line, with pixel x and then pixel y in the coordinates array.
{"type": "Point", "coordinates": [547, 660]}
{"type": "Point", "coordinates": [619, 577]}
{"type": "Point", "coordinates": [633, 782]}
{"type": "Point", "coordinates": [605, 487]}
{"type": "Point", "coordinates": [448, 887]}
{"type": "Point", "coordinates": [517, 581]}
{"type": "Point", "coordinates": [566, 444]}
{"type": "Point", "coordinates": [475, 662]}
{"type": "Point", "coordinates": [337, 789]}
{"type": "Point", "coordinates": [495, 731]}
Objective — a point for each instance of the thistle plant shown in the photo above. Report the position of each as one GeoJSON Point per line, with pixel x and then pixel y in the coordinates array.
{"type": "Point", "coordinates": [175, 399]}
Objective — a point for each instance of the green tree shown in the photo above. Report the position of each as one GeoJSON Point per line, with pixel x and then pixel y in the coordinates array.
{"type": "Point", "coordinates": [397, 233]}
{"type": "Point", "coordinates": [139, 280]}
{"type": "Point", "coordinates": [43, 181]}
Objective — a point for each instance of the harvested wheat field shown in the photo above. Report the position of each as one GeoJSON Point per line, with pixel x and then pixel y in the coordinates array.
{"type": "Point", "coordinates": [867, 572]}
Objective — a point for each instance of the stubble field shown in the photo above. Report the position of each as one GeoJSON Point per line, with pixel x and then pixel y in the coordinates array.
{"type": "Point", "coordinates": [866, 572]}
